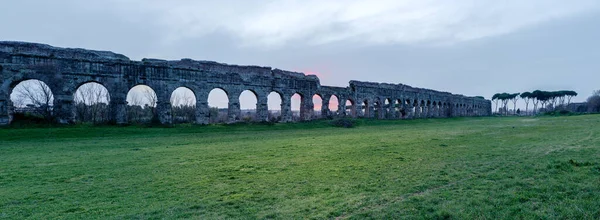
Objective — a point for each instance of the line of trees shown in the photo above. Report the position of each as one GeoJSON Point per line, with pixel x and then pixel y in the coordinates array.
{"type": "Point", "coordinates": [549, 100]}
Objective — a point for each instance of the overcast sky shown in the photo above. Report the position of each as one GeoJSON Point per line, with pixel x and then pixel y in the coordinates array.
{"type": "Point", "coordinates": [471, 47]}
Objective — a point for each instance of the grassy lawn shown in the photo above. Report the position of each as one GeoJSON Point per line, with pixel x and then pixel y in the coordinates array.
{"type": "Point", "coordinates": [485, 168]}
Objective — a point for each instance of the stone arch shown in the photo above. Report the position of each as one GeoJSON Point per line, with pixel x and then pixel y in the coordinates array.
{"type": "Point", "coordinates": [218, 103]}
{"type": "Point", "coordinates": [422, 111]}
{"type": "Point", "coordinates": [442, 107]}
{"type": "Point", "coordinates": [334, 105]}
{"type": "Point", "coordinates": [350, 108]}
{"type": "Point", "coordinates": [378, 109]}
{"type": "Point", "coordinates": [400, 109]}
{"type": "Point", "coordinates": [183, 105]}
{"type": "Point", "coordinates": [275, 106]}
{"type": "Point", "coordinates": [412, 108]}
{"type": "Point", "coordinates": [428, 109]}
{"type": "Point", "coordinates": [249, 105]}
{"type": "Point", "coordinates": [141, 104]}
{"type": "Point", "coordinates": [408, 108]}
{"type": "Point", "coordinates": [31, 95]}
{"type": "Point", "coordinates": [389, 108]}
{"type": "Point", "coordinates": [296, 103]}
{"type": "Point", "coordinates": [91, 101]}
{"type": "Point", "coordinates": [317, 105]}
{"type": "Point", "coordinates": [365, 109]}
{"type": "Point", "coordinates": [436, 109]}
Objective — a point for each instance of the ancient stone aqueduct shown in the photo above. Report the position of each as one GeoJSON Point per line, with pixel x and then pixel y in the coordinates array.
{"type": "Point", "coordinates": [64, 70]}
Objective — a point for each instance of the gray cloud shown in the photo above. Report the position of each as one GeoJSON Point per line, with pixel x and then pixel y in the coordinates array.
{"type": "Point", "coordinates": [278, 23]}
{"type": "Point", "coordinates": [469, 47]}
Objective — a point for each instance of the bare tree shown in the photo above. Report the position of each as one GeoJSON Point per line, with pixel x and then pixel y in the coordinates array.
{"type": "Point", "coordinates": [142, 103]}
{"type": "Point", "coordinates": [183, 105]}
{"type": "Point", "coordinates": [18, 101]}
{"type": "Point", "coordinates": [150, 96]}
{"type": "Point", "coordinates": [92, 102]}
{"type": "Point", "coordinates": [37, 94]}
{"type": "Point", "coordinates": [134, 102]}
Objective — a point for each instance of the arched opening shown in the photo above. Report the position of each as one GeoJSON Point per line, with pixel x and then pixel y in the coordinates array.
{"type": "Point", "coordinates": [318, 106]}
{"type": "Point", "coordinates": [350, 110]}
{"type": "Point", "coordinates": [334, 104]}
{"type": "Point", "coordinates": [274, 101]}
{"type": "Point", "coordinates": [443, 109]}
{"type": "Point", "coordinates": [91, 103]}
{"type": "Point", "coordinates": [416, 108]}
{"type": "Point", "coordinates": [422, 109]}
{"type": "Point", "coordinates": [32, 98]}
{"type": "Point", "coordinates": [141, 104]}
{"type": "Point", "coordinates": [218, 104]}
{"type": "Point", "coordinates": [428, 109]}
{"type": "Point", "coordinates": [399, 110]}
{"type": "Point", "coordinates": [408, 108]}
{"type": "Point", "coordinates": [183, 105]}
{"type": "Point", "coordinates": [248, 100]}
{"type": "Point", "coordinates": [377, 109]}
{"type": "Point", "coordinates": [296, 103]}
{"type": "Point", "coordinates": [364, 112]}
{"type": "Point", "coordinates": [388, 108]}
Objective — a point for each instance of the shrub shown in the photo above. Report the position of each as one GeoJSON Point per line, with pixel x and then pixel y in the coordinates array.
{"type": "Point", "coordinates": [247, 119]}
{"type": "Point", "coordinates": [559, 113]}
{"type": "Point", "coordinates": [275, 119]}
{"type": "Point", "coordinates": [343, 123]}
{"type": "Point", "coordinates": [28, 118]}
{"type": "Point", "coordinates": [269, 123]}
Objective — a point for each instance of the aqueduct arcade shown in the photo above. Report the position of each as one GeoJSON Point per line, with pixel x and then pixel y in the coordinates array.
{"type": "Point", "coordinates": [65, 70]}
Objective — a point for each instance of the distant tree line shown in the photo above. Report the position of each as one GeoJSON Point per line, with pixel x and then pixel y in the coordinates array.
{"type": "Point", "coordinates": [593, 102]}
{"type": "Point", "coordinates": [549, 100]}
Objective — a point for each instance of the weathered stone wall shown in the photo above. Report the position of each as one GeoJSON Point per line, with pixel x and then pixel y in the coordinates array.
{"type": "Point", "coordinates": [64, 70]}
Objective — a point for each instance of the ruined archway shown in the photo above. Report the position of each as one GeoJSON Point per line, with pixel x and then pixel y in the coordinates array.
{"type": "Point", "coordinates": [296, 105]}
{"type": "Point", "coordinates": [218, 103]}
{"type": "Point", "coordinates": [141, 104]}
{"type": "Point", "coordinates": [31, 99]}
{"type": "Point", "coordinates": [350, 108]}
{"type": "Point", "coordinates": [334, 104]}
{"type": "Point", "coordinates": [91, 102]}
{"type": "Point", "coordinates": [378, 109]}
{"type": "Point", "coordinates": [365, 111]}
{"type": "Point", "coordinates": [409, 108]}
{"type": "Point", "coordinates": [388, 108]}
{"type": "Point", "coordinates": [400, 111]}
{"type": "Point", "coordinates": [422, 111]}
{"type": "Point", "coordinates": [183, 105]}
{"type": "Point", "coordinates": [274, 100]}
{"type": "Point", "coordinates": [428, 109]}
{"type": "Point", "coordinates": [248, 105]}
{"type": "Point", "coordinates": [317, 106]}
{"type": "Point", "coordinates": [435, 110]}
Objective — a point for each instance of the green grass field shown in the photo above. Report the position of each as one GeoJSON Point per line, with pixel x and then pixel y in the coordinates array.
{"type": "Point", "coordinates": [484, 168]}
